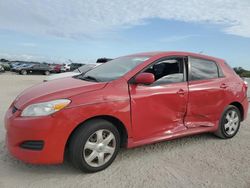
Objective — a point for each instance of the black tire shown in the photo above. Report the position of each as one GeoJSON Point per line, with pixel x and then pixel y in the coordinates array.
{"type": "Point", "coordinates": [46, 72]}
{"type": "Point", "coordinates": [222, 130]}
{"type": "Point", "coordinates": [82, 135]}
{"type": "Point", "coordinates": [23, 72]}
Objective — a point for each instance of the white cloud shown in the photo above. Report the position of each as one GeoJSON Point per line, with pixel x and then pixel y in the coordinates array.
{"type": "Point", "coordinates": [27, 44]}
{"type": "Point", "coordinates": [21, 57]}
{"type": "Point", "coordinates": [39, 58]}
{"type": "Point", "coordinates": [175, 38]}
{"type": "Point", "coordinates": [92, 18]}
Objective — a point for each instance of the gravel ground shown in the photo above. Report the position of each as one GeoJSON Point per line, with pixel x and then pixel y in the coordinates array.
{"type": "Point", "coordinates": [196, 161]}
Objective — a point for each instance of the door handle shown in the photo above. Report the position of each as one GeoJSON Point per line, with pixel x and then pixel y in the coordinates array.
{"type": "Point", "coordinates": [181, 92]}
{"type": "Point", "coordinates": [223, 86]}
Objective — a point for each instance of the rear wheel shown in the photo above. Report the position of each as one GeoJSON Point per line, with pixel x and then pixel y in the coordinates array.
{"type": "Point", "coordinates": [24, 72]}
{"type": "Point", "coordinates": [229, 123]}
{"type": "Point", "coordinates": [94, 146]}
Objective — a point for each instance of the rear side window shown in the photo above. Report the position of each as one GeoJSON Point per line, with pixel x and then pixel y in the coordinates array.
{"type": "Point", "coordinates": [202, 69]}
{"type": "Point", "coordinates": [42, 66]}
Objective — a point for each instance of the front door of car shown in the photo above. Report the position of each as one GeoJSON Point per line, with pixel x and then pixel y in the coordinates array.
{"type": "Point", "coordinates": [206, 93]}
{"type": "Point", "coordinates": [34, 69]}
{"type": "Point", "coordinates": [158, 110]}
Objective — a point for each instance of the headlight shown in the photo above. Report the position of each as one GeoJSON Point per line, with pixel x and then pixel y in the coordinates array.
{"type": "Point", "coordinates": [45, 108]}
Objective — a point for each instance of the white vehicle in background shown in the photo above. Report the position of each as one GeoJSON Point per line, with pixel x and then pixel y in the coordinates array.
{"type": "Point", "coordinates": [65, 68]}
{"type": "Point", "coordinates": [81, 70]}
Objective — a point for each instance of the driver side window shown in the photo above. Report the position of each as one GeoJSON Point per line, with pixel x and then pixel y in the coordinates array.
{"type": "Point", "coordinates": [167, 71]}
{"type": "Point", "coordinates": [35, 67]}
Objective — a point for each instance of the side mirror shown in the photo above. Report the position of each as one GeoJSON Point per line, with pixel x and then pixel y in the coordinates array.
{"type": "Point", "coordinates": [145, 78]}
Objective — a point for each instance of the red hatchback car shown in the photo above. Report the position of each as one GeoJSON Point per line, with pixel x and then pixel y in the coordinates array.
{"type": "Point", "coordinates": [127, 102]}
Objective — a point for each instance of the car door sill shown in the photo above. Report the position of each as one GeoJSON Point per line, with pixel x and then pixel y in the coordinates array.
{"type": "Point", "coordinates": [151, 140]}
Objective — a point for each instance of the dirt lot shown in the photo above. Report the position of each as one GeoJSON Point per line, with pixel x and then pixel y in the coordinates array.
{"type": "Point", "coordinates": [197, 161]}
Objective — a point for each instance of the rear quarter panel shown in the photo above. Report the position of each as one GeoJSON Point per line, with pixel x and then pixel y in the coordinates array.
{"type": "Point", "coordinates": [235, 91]}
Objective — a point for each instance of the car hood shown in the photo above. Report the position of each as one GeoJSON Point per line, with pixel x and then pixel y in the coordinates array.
{"type": "Point", "coordinates": [61, 75]}
{"type": "Point", "coordinates": [55, 89]}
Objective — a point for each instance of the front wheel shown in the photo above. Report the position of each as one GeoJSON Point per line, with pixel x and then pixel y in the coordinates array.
{"type": "Point", "coordinates": [229, 123]}
{"type": "Point", "coordinates": [46, 73]}
{"type": "Point", "coordinates": [94, 146]}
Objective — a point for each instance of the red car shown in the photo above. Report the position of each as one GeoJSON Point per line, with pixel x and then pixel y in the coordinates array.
{"type": "Point", "coordinates": [56, 68]}
{"type": "Point", "coordinates": [127, 102]}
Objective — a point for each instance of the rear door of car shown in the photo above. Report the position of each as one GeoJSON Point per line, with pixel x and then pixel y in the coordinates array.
{"type": "Point", "coordinates": [44, 68]}
{"type": "Point", "coordinates": [206, 86]}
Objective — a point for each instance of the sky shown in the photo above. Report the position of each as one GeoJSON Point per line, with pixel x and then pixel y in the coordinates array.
{"type": "Point", "coordinates": [83, 30]}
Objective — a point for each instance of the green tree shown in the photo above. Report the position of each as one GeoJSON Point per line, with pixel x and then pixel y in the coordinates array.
{"type": "Point", "coordinates": [242, 72]}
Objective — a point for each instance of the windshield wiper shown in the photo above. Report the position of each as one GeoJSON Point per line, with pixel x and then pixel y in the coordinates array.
{"type": "Point", "coordinates": [91, 78]}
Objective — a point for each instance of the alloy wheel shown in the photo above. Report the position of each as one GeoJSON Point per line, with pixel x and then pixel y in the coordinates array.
{"type": "Point", "coordinates": [232, 121]}
{"type": "Point", "coordinates": [24, 72]}
{"type": "Point", "coordinates": [99, 148]}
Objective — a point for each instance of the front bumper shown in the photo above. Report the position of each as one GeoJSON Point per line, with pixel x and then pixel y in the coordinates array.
{"type": "Point", "coordinates": [47, 129]}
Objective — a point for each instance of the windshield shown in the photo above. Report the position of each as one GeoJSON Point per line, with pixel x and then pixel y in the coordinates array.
{"type": "Point", "coordinates": [28, 66]}
{"type": "Point", "coordinates": [84, 68]}
{"type": "Point", "coordinates": [115, 68]}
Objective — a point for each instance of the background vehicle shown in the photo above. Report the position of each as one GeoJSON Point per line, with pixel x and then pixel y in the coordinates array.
{"type": "Point", "coordinates": [65, 67]}
{"type": "Point", "coordinates": [103, 60]}
{"type": "Point", "coordinates": [5, 65]}
{"type": "Point", "coordinates": [35, 69]}
{"type": "Point", "coordinates": [56, 68]}
{"type": "Point", "coordinates": [14, 65]}
{"type": "Point", "coordinates": [128, 102]}
{"type": "Point", "coordinates": [1, 68]}
{"type": "Point", "coordinates": [20, 67]}
{"type": "Point", "coordinates": [81, 70]}
{"type": "Point", "coordinates": [74, 66]}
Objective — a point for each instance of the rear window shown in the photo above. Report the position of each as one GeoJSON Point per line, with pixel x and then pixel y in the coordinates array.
{"type": "Point", "coordinates": [202, 69]}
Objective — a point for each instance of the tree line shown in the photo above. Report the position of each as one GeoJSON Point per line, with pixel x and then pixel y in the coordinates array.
{"type": "Point", "coordinates": [242, 72]}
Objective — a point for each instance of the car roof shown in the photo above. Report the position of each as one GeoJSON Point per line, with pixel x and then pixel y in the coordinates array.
{"type": "Point", "coordinates": [178, 53]}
